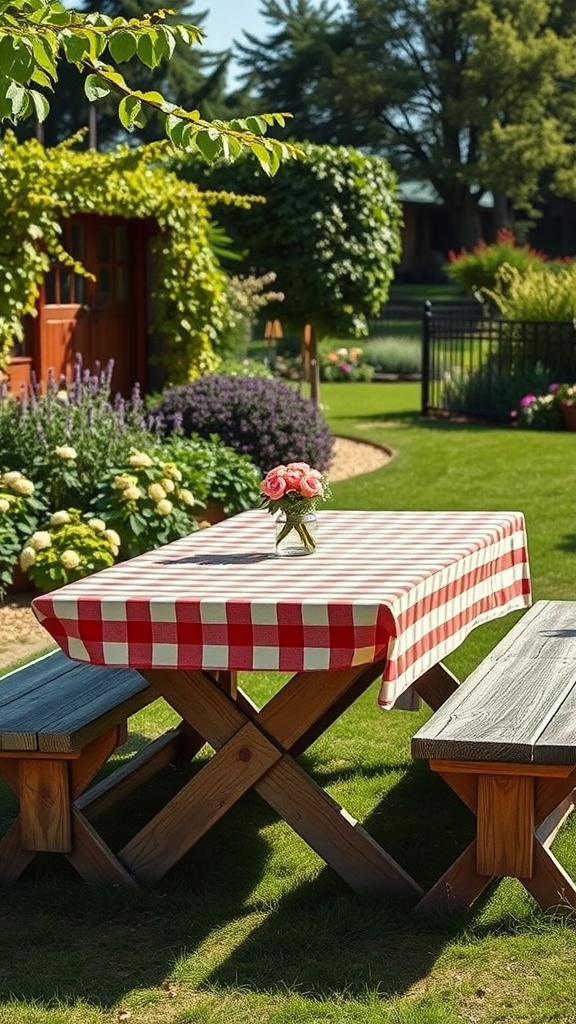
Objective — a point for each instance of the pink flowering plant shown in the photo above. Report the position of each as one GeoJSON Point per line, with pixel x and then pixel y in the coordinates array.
{"type": "Point", "coordinates": [544, 411]}
{"type": "Point", "coordinates": [295, 490]}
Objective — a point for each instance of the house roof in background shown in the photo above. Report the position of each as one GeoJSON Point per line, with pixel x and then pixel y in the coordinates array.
{"type": "Point", "coordinates": [424, 192]}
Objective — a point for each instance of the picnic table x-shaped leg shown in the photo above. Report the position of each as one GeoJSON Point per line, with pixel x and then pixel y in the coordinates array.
{"type": "Point", "coordinates": [257, 748]}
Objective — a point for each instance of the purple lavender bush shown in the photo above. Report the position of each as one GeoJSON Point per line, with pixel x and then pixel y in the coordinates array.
{"type": "Point", "coordinates": [265, 419]}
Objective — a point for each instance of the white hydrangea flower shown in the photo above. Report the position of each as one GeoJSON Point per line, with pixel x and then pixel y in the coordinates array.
{"type": "Point", "coordinates": [10, 477]}
{"type": "Point", "coordinates": [140, 460]}
{"type": "Point", "coordinates": [23, 486]}
{"type": "Point", "coordinates": [186, 496]}
{"type": "Point", "coordinates": [70, 559]}
{"type": "Point", "coordinates": [164, 507]}
{"type": "Point", "coordinates": [27, 558]}
{"type": "Point", "coordinates": [4, 505]}
{"type": "Point", "coordinates": [40, 540]}
{"type": "Point", "coordinates": [172, 471]}
{"type": "Point", "coordinates": [156, 492]}
{"type": "Point", "coordinates": [167, 484]}
{"type": "Point", "coordinates": [131, 493]}
{"type": "Point", "coordinates": [97, 524]}
{"type": "Point", "coordinates": [113, 537]}
{"type": "Point", "coordinates": [59, 518]}
{"type": "Point", "coordinates": [124, 481]}
{"type": "Point", "coordinates": [65, 451]}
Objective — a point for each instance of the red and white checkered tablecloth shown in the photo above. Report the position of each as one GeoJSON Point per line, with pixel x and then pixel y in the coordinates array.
{"type": "Point", "coordinates": [408, 586]}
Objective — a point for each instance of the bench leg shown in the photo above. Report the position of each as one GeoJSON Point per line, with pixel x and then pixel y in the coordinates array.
{"type": "Point", "coordinates": [46, 785]}
{"type": "Point", "coordinates": [518, 811]}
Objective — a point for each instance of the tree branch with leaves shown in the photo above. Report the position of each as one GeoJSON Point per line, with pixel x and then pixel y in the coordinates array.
{"type": "Point", "coordinates": [36, 36]}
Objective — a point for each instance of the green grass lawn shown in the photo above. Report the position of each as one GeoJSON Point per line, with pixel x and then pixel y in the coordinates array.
{"type": "Point", "coordinates": [250, 926]}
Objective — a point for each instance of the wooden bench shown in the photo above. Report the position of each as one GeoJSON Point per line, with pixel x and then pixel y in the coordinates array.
{"type": "Point", "coordinates": [505, 742]}
{"type": "Point", "coordinates": [59, 723]}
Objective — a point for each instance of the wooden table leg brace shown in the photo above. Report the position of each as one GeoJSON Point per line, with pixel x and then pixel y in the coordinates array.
{"type": "Point", "coordinates": [519, 808]}
{"type": "Point", "coordinates": [257, 748]}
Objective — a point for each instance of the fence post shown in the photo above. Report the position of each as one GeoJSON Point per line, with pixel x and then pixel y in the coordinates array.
{"type": "Point", "coordinates": [425, 393]}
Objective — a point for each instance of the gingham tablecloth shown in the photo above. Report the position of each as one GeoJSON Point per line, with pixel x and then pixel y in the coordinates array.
{"type": "Point", "coordinates": [408, 586]}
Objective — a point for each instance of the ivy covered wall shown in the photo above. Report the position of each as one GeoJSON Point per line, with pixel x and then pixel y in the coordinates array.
{"type": "Point", "coordinates": [40, 187]}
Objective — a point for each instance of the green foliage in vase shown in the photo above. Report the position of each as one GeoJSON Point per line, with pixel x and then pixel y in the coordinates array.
{"type": "Point", "coordinates": [40, 188]}
{"type": "Point", "coordinates": [67, 548]}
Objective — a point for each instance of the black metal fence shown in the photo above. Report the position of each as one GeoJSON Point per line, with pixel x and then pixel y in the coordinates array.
{"type": "Point", "coordinates": [404, 319]}
{"type": "Point", "coordinates": [481, 366]}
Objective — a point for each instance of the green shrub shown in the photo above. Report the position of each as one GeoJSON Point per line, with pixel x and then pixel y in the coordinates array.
{"type": "Point", "coordinates": [535, 293]}
{"type": "Point", "coordinates": [394, 355]}
{"type": "Point", "coordinates": [19, 513]}
{"type": "Point", "coordinates": [213, 472]}
{"type": "Point", "coordinates": [66, 549]}
{"type": "Point", "coordinates": [143, 501]}
{"type": "Point", "coordinates": [477, 269]}
{"type": "Point", "coordinates": [489, 394]}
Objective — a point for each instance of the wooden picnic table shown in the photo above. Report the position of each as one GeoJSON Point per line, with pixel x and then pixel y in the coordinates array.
{"type": "Point", "coordinates": [386, 596]}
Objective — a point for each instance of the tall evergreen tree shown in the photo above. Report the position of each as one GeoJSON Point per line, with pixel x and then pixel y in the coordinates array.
{"type": "Point", "coordinates": [290, 65]}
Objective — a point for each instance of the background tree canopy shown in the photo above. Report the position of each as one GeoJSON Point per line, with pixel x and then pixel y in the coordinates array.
{"type": "Point", "coordinates": [470, 95]}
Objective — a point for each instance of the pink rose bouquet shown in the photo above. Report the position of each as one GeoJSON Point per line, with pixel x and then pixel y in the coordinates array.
{"type": "Point", "coordinates": [295, 490]}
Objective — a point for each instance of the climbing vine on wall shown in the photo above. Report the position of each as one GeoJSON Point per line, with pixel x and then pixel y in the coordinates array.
{"type": "Point", "coordinates": [40, 188]}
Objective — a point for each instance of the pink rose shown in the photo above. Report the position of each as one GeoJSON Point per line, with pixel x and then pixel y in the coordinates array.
{"type": "Point", "coordinates": [273, 485]}
{"type": "Point", "coordinates": [293, 479]}
{"type": "Point", "coordinates": [300, 467]}
{"type": "Point", "coordinates": [311, 487]}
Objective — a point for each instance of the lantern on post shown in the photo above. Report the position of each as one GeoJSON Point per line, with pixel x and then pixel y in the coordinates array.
{"type": "Point", "coordinates": [272, 331]}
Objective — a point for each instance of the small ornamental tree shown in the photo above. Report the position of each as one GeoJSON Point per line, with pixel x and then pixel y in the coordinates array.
{"type": "Point", "coordinates": [329, 229]}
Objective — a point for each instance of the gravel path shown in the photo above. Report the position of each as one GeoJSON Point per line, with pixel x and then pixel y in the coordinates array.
{"type": "Point", "coordinates": [21, 636]}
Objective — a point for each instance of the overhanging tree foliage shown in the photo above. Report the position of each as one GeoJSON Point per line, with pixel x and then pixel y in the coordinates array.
{"type": "Point", "coordinates": [330, 230]}
{"type": "Point", "coordinates": [470, 95]}
{"type": "Point", "coordinates": [36, 36]}
{"type": "Point", "coordinates": [193, 77]}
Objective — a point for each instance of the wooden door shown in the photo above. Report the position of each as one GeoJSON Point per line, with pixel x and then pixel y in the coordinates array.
{"type": "Point", "coordinates": [98, 319]}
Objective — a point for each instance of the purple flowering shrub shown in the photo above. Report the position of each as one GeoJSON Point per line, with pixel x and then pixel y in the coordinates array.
{"type": "Point", "coordinates": [263, 418]}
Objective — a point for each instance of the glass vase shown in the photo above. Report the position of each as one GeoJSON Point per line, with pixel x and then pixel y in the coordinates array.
{"type": "Point", "coordinates": [296, 534]}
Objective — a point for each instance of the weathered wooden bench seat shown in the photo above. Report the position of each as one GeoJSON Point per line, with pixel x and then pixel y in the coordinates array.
{"type": "Point", "coordinates": [59, 723]}
{"type": "Point", "coordinates": [505, 742]}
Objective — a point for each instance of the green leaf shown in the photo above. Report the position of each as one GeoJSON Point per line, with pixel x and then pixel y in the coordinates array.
{"type": "Point", "coordinates": [44, 56]}
{"type": "Point", "coordinates": [122, 45]}
{"type": "Point", "coordinates": [145, 51]}
{"type": "Point", "coordinates": [75, 46]}
{"type": "Point", "coordinates": [41, 105]}
{"type": "Point", "coordinates": [19, 100]}
{"type": "Point", "coordinates": [129, 109]}
{"type": "Point", "coordinates": [208, 144]}
{"type": "Point", "coordinates": [256, 125]}
{"type": "Point", "coordinates": [95, 88]}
